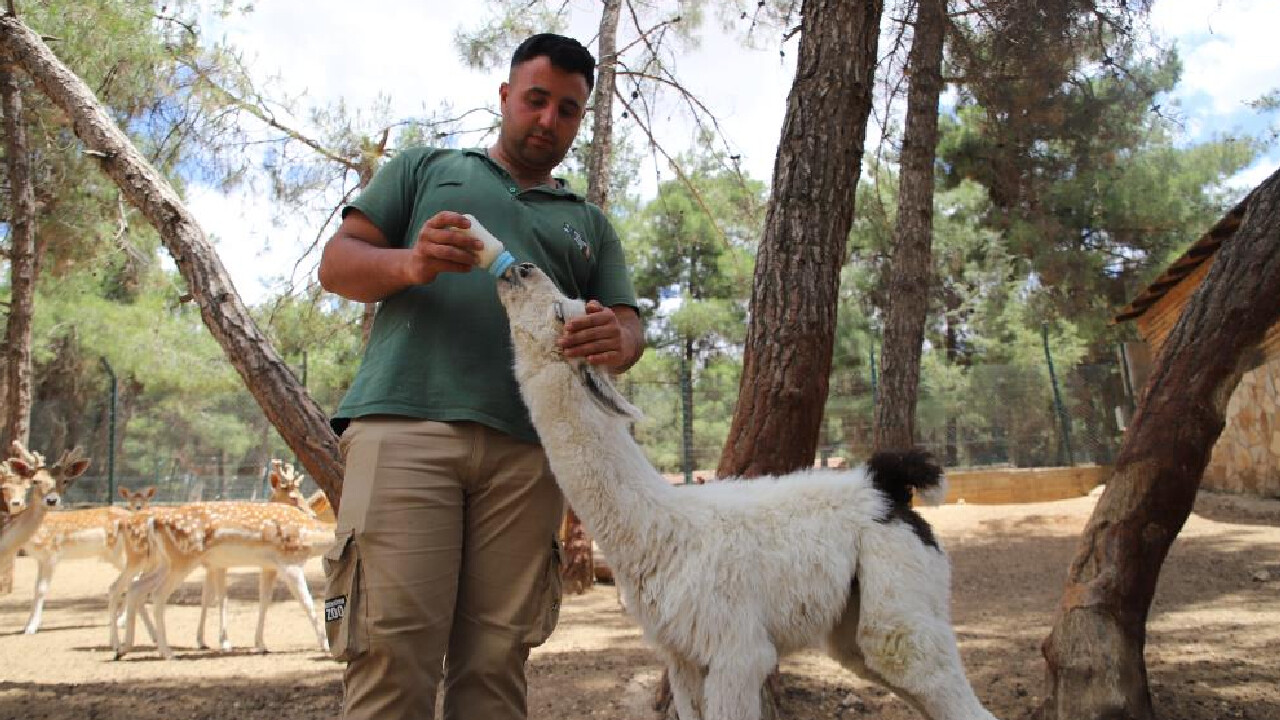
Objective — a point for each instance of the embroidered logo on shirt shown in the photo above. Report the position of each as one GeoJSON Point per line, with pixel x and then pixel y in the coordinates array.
{"type": "Point", "coordinates": [579, 240]}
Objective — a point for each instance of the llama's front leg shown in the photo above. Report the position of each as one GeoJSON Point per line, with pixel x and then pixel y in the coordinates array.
{"type": "Point", "coordinates": [734, 679]}
{"type": "Point", "coordinates": [686, 685]}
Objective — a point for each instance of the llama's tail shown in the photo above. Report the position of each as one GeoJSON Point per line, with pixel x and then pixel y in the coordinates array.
{"type": "Point", "coordinates": [897, 474]}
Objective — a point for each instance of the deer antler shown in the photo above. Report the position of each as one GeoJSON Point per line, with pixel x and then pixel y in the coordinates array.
{"type": "Point", "coordinates": [20, 452]}
{"type": "Point", "coordinates": [285, 471]}
{"type": "Point", "coordinates": [69, 458]}
{"type": "Point", "coordinates": [24, 462]}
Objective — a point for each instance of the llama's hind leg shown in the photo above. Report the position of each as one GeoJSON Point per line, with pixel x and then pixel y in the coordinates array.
{"type": "Point", "coordinates": [904, 640]}
{"type": "Point", "coordinates": [686, 685]}
{"type": "Point", "coordinates": [734, 679]}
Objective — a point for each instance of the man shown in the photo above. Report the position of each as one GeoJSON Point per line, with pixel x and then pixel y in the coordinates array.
{"type": "Point", "coordinates": [446, 536]}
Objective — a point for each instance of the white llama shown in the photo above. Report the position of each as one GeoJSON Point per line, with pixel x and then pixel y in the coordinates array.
{"type": "Point", "coordinates": [725, 578]}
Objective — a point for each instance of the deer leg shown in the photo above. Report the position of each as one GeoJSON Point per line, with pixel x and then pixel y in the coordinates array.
{"type": "Point", "coordinates": [44, 575]}
{"type": "Point", "coordinates": [138, 592]}
{"type": "Point", "coordinates": [220, 593]}
{"type": "Point", "coordinates": [206, 599]}
{"type": "Point", "coordinates": [266, 588]}
{"type": "Point", "coordinates": [296, 580]}
{"type": "Point", "coordinates": [169, 578]}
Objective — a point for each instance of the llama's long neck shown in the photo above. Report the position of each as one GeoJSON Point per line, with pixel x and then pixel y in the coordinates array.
{"type": "Point", "coordinates": [626, 504]}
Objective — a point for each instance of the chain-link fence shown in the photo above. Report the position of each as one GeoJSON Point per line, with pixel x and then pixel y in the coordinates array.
{"type": "Point", "coordinates": [967, 415]}
{"type": "Point", "coordinates": [181, 487]}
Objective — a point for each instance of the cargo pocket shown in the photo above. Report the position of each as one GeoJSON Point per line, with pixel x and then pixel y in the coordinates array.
{"type": "Point", "coordinates": [342, 621]}
{"type": "Point", "coordinates": [548, 615]}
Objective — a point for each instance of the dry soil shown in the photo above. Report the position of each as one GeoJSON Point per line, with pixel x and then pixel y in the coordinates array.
{"type": "Point", "coordinates": [1213, 647]}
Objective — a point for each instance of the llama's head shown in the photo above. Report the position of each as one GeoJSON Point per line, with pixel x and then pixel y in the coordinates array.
{"type": "Point", "coordinates": [537, 311]}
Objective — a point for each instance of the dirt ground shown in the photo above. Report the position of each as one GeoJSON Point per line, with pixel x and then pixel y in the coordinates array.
{"type": "Point", "coordinates": [1213, 647]}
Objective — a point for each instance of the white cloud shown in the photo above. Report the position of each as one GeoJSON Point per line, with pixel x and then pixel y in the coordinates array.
{"type": "Point", "coordinates": [1228, 48]}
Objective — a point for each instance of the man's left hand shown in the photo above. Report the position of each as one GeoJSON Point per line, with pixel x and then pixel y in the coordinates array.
{"type": "Point", "coordinates": [604, 336]}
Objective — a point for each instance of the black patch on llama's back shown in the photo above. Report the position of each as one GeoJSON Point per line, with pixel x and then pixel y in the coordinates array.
{"type": "Point", "coordinates": [895, 474]}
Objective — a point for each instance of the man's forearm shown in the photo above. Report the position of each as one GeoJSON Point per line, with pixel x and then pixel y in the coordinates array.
{"type": "Point", "coordinates": [360, 271]}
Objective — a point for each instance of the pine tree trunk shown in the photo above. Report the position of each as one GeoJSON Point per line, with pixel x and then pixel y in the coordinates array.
{"type": "Point", "coordinates": [910, 268]}
{"type": "Point", "coordinates": [787, 360]}
{"type": "Point", "coordinates": [22, 264]}
{"type": "Point", "coordinates": [600, 160]}
{"type": "Point", "coordinates": [793, 299]}
{"type": "Point", "coordinates": [1095, 650]}
{"type": "Point", "coordinates": [285, 402]}
{"type": "Point", "coordinates": [580, 562]}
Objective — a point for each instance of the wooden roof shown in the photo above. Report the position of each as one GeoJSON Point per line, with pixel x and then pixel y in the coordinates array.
{"type": "Point", "coordinates": [1200, 251]}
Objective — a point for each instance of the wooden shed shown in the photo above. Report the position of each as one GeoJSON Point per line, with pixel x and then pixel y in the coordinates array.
{"type": "Point", "coordinates": [1246, 458]}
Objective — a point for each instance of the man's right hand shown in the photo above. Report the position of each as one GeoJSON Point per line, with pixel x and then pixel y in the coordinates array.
{"type": "Point", "coordinates": [359, 263]}
{"type": "Point", "coordinates": [442, 246]}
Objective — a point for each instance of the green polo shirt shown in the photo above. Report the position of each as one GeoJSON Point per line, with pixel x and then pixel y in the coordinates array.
{"type": "Point", "coordinates": [442, 351]}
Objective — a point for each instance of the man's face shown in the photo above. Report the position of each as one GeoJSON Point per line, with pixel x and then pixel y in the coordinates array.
{"type": "Point", "coordinates": [542, 107]}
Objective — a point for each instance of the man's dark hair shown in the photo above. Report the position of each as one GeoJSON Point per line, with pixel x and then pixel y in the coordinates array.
{"type": "Point", "coordinates": [564, 53]}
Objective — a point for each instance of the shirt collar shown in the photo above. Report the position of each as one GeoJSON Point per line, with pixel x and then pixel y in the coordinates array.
{"type": "Point", "coordinates": [560, 190]}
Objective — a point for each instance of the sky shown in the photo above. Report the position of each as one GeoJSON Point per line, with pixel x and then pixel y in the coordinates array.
{"type": "Point", "coordinates": [405, 51]}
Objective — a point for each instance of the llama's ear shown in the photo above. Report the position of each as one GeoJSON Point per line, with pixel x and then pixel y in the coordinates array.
{"type": "Point", "coordinates": [605, 394]}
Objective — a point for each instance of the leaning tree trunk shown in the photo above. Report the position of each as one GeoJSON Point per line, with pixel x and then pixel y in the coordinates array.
{"type": "Point", "coordinates": [285, 402]}
{"type": "Point", "coordinates": [580, 562]}
{"type": "Point", "coordinates": [793, 298]}
{"type": "Point", "coordinates": [910, 268]}
{"type": "Point", "coordinates": [1095, 651]}
{"type": "Point", "coordinates": [22, 264]}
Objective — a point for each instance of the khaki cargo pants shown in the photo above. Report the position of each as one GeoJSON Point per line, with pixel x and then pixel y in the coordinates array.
{"type": "Point", "coordinates": [446, 566]}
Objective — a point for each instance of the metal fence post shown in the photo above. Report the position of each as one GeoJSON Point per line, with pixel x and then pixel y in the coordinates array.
{"type": "Point", "coordinates": [111, 433]}
{"type": "Point", "coordinates": [1057, 396]}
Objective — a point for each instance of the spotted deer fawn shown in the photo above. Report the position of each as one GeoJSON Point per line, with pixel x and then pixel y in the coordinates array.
{"type": "Point", "coordinates": [278, 538]}
{"type": "Point", "coordinates": [286, 489]}
{"type": "Point", "coordinates": [94, 533]}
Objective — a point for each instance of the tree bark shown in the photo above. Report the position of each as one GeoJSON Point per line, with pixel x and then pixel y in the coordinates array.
{"type": "Point", "coordinates": [23, 264]}
{"type": "Point", "coordinates": [793, 300]}
{"type": "Point", "coordinates": [284, 401]}
{"type": "Point", "coordinates": [580, 563]}
{"type": "Point", "coordinates": [787, 361]}
{"type": "Point", "coordinates": [910, 267]}
{"type": "Point", "coordinates": [600, 160]}
{"type": "Point", "coordinates": [1095, 650]}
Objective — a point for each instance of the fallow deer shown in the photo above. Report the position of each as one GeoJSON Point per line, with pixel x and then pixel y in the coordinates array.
{"type": "Point", "coordinates": [46, 483]}
{"type": "Point", "coordinates": [225, 535]}
{"type": "Point", "coordinates": [286, 489]}
{"type": "Point", "coordinates": [94, 533]}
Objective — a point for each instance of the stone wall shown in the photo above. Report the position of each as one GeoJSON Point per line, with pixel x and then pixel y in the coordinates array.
{"type": "Point", "coordinates": [1247, 456]}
